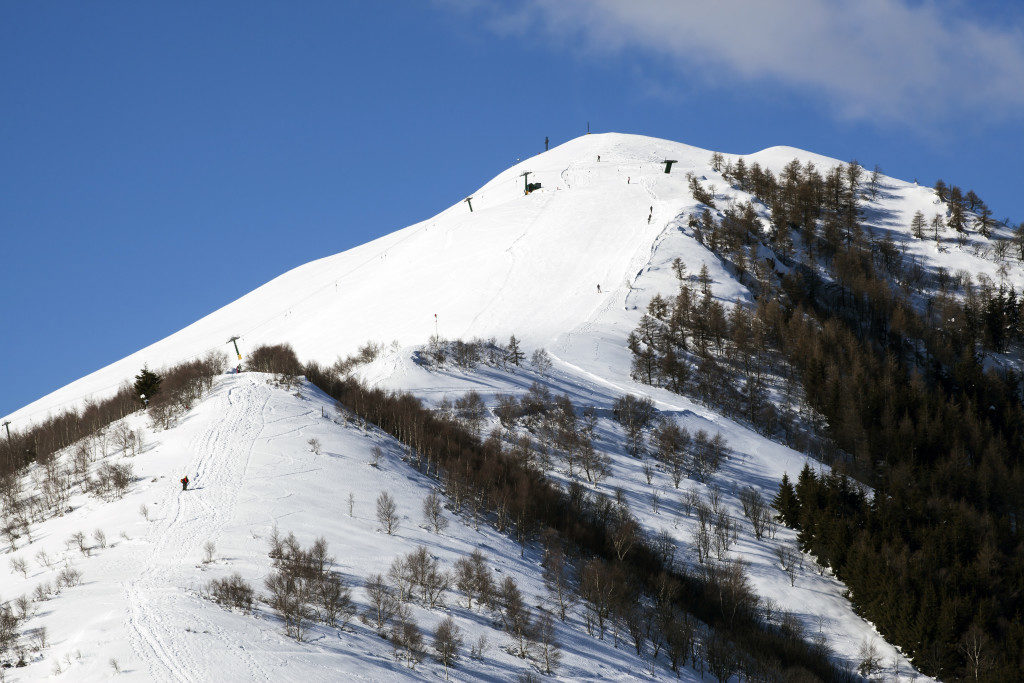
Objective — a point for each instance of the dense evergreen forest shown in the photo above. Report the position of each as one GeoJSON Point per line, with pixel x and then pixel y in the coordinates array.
{"type": "Point", "coordinates": [899, 377]}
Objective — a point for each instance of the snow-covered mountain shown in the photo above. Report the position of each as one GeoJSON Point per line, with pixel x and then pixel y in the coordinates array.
{"type": "Point", "coordinates": [569, 267]}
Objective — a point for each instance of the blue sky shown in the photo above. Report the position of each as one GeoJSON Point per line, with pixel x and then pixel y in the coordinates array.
{"type": "Point", "coordinates": [161, 160]}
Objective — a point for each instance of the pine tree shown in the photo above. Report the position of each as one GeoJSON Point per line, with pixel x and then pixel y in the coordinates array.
{"type": "Point", "coordinates": [147, 385]}
{"type": "Point", "coordinates": [786, 502]}
{"type": "Point", "coordinates": [1018, 239]}
{"type": "Point", "coordinates": [957, 220]}
{"type": "Point", "coordinates": [876, 176]}
{"type": "Point", "coordinates": [985, 221]}
{"type": "Point", "coordinates": [938, 225]}
{"type": "Point", "coordinates": [917, 225]}
{"type": "Point", "coordinates": [515, 354]}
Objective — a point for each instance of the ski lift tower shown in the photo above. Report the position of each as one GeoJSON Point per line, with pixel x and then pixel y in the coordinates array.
{"type": "Point", "coordinates": [234, 340]}
{"type": "Point", "coordinates": [668, 164]}
{"type": "Point", "coordinates": [526, 184]}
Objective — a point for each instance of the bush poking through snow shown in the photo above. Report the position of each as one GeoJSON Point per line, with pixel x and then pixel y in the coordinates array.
{"type": "Point", "coordinates": [44, 560]}
{"type": "Point", "coordinates": [870, 661]}
{"type": "Point", "coordinates": [19, 565]}
{"type": "Point", "coordinates": [113, 479]}
{"type": "Point", "coordinates": [24, 606]}
{"type": "Point", "coordinates": [278, 359]}
{"type": "Point", "coordinates": [232, 592]}
{"type": "Point", "coordinates": [69, 577]}
{"type": "Point", "coordinates": [304, 588]}
{"type": "Point", "coordinates": [541, 362]}
{"type": "Point", "coordinates": [367, 353]}
{"type": "Point", "coordinates": [41, 592]}
{"type": "Point", "coordinates": [479, 649]}
{"type": "Point", "coordinates": [77, 540]}
{"type": "Point", "coordinates": [39, 639]}
{"type": "Point", "coordinates": [289, 597]}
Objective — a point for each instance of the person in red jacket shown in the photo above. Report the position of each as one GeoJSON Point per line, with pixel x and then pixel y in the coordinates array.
{"type": "Point", "coordinates": [184, 483]}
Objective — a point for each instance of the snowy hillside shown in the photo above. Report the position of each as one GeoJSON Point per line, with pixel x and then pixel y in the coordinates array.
{"type": "Point", "coordinates": [528, 265]}
{"type": "Point", "coordinates": [245, 449]}
{"type": "Point", "coordinates": [569, 268]}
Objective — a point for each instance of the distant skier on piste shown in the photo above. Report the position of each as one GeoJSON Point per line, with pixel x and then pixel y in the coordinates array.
{"type": "Point", "coordinates": [184, 483]}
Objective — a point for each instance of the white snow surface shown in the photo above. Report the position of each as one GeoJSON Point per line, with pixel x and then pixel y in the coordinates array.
{"type": "Point", "coordinates": [528, 265]}
{"type": "Point", "coordinates": [245, 450]}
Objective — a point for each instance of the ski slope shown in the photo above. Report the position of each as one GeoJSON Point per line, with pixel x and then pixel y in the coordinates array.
{"type": "Point", "coordinates": [529, 265]}
{"type": "Point", "coordinates": [245, 450]}
{"type": "Point", "coordinates": [523, 264]}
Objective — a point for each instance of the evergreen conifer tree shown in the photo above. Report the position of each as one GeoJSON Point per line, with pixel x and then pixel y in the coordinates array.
{"type": "Point", "coordinates": [786, 502]}
{"type": "Point", "coordinates": [917, 225]}
{"type": "Point", "coordinates": [147, 385]}
{"type": "Point", "coordinates": [515, 354]}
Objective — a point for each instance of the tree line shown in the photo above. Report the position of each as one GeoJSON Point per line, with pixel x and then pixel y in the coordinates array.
{"type": "Point", "coordinates": [895, 378]}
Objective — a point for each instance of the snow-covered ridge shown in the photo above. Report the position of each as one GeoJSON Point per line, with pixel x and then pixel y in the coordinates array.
{"type": "Point", "coordinates": [524, 264]}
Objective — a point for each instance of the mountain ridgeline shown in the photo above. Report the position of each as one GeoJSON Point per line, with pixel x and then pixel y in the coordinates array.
{"type": "Point", "coordinates": [685, 344]}
{"type": "Point", "coordinates": [899, 375]}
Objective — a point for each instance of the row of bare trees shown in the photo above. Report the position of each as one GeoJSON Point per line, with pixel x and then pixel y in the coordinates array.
{"type": "Point", "coordinates": [486, 481]}
{"type": "Point", "coordinates": [466, 355]}
{"type": "Point", "coordinates": [66, 449]}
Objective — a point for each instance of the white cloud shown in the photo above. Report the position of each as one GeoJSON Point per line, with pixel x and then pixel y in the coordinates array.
{"type": "Point", "coordinates": [866, 58]}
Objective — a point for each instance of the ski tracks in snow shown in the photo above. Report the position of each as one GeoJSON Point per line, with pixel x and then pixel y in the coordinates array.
{"type": "Point", "coordinates": [157, 595]}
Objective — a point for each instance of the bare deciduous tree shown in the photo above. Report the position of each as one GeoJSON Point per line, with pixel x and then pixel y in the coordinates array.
{"type": "Point", "coordinates": [382, 602]}
{"type": "Point", "coordinates": [433, 513]}
{"type": "Point", "coordinates": [208, 551]}
{"type": "Point", "coordinates": [447, 643]}
{"type": "Point", "coordinates": [19, 565]}
{"type": "Point", "coordinates": [550, 649]}
{"type": "Point", "coordinates": [387, 512]}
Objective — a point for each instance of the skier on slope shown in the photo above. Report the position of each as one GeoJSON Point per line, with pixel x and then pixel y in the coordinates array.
{"type": "Point", "coordinates": [184, 483]}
